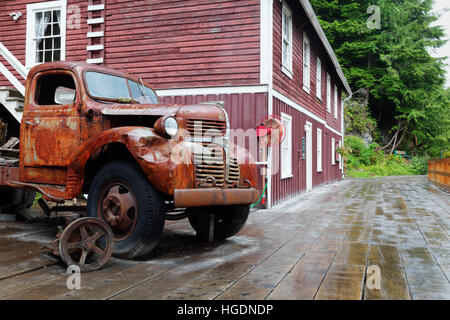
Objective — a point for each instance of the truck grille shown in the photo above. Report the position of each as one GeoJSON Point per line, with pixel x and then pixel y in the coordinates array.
{"type": "Point", "coordinates": [211, 168]}
{"type": "Point", "coordinates": [210, 128]}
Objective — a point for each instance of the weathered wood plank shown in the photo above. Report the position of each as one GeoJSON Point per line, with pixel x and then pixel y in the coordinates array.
{"type": "Point", "coordinates": [342, 282]}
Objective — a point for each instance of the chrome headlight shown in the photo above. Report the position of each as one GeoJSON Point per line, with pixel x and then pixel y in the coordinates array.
{"type": "Point", "coordinates": [171, 126]}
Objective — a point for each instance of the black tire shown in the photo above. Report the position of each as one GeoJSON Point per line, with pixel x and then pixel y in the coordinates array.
{"type": "Point", "coordinates": [149, 224]}
{"type": "Point", "coordinates": [28, 198]}
{"type": "Point", "coordinates": [10, 200]}
{"type": "Point", "coordinates": [228, 221]}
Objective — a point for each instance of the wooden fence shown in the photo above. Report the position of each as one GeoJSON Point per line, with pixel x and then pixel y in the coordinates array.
{"type": "Point", "coordinates": [439, 173]}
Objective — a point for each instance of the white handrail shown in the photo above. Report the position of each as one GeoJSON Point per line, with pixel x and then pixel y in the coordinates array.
{"type": "Point", "coordinates": [11, 78]}
{"type": "Point", "coordinates": [12, 60]}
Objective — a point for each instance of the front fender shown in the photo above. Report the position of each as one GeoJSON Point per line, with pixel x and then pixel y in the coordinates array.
{"type": "Point", "coordinates": [166, 170]}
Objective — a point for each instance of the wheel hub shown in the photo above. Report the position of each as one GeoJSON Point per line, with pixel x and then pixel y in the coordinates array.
{"type": "Point", "coordinates": [88, 244]}
{"type": "Point", "coordinates": [118, 208]}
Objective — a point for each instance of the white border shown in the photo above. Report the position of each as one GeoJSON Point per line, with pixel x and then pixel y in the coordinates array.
{"type": "Point", "coordinates": [309, 131]}
{"type": "Point", "coordinates": [306, 86]}
{"type": "Point", "coordinates": [319, 87]}
{"type": "Point", "coordinates": [286, 175]}
{"type": "Point", "coordinates": [31, 8]}
{"type": "Point", "coordinates": [211, 90]}
{"type": "Point", "coordinates": [319, 160]}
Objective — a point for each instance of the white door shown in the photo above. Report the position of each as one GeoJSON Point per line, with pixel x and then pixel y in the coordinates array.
{"type": "Point", "coordinates": [309, 169]}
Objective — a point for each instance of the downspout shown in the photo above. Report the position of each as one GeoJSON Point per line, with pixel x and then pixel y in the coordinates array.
{"type": "Point", "coordinates": [266, 69]}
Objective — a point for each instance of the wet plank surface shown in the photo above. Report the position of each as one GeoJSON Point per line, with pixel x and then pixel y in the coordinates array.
{"type": "Point", "coordinates": [322, 245]}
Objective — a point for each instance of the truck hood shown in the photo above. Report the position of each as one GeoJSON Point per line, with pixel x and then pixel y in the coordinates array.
{"type": "Point", "coordinates": [197, 111]}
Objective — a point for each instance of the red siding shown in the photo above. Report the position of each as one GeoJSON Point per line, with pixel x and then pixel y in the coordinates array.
{"type": "Point", "coordinates": [293, 88]}
{"type": "Point", "coordinates": [190, 43]}
{"type": "Point", "coordinates": [283, 189]}
{"type": "Point", "coordinates": [171, 44]}
{"type": "Point", "coordinates": [13, 34]}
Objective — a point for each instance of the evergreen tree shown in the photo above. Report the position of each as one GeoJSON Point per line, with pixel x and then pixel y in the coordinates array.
{"type": "Point", "coordinates": [391, 65]}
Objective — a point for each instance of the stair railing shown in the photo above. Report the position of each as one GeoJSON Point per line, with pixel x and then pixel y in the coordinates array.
{"type": "Point", "coordinates": [12, 60]}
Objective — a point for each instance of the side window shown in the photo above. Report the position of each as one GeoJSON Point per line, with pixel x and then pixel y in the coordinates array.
{"type": "Point", "coordinates": [46, 32]}
{"type": "Point", "coordinates": [328, 93]}
{"type": "Point", "coordinates": [142, 94]}
{"type": "Point", "coordinates": [335, 102]}
{"type": "Point", "coordinates": [55, 89]}
{"type": "Point", "coordinates": [319, 79]}
{"type": "Point", "coordinates": [319, 150]}
{"type": "Point", "coordinates": [306, 63]}
{"type": "Point", "coordinates": [287, 41]}
{"type": "Point", "coordinates": [333, 151]}
{"type": "Point", "coordinates": [286, 148]}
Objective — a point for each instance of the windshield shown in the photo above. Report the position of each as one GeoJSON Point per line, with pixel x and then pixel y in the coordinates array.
{"type": "Point", "coordinates": [106, 86]}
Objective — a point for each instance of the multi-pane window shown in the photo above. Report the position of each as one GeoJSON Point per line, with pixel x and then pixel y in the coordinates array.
{"type": "Point", "coordinates": [46, 26]}
{"type": "Point", "coordinates": [335, 102]}
{"type": "Point", "coordinates": [319, 79]}
{"type": "Point", "coordinates": [333, 151]}
{"type": "Point", "coordinates": [47, 36]}
{"type": "Point", "coordinates": [287, 41]}
{"type": "Point", "coordinates": [319, 150]}
{"type": "Point", "coordinates": [286, 148]}
{"type": "Point", "coordinates": [328, 93]}
{"type": "Point", "coordinates": [306, 63]}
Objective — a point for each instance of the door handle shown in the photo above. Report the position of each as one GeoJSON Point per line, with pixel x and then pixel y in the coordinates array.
{"type": "Point", "coordinates": [29, 123]}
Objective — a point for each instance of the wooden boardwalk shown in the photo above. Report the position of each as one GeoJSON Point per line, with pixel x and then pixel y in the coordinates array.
{"type": "Point", "coordinates": [318, 246]}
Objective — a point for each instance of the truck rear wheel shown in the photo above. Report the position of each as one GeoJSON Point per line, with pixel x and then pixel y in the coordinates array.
{"type": "Point", "coordinates": [122, 196]}
{"type": "Point", "coordinates": [228, 220]}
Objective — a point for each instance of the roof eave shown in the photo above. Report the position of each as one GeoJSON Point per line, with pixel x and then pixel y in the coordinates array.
{"type": "Point", "coordinates": [316, 24]}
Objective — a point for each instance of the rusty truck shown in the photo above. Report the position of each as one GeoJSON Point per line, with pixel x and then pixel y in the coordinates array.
{"type": "Point", "coordinates": [95, 131]}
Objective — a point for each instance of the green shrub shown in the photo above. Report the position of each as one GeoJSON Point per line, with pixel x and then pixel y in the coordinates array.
{"type": "Point", "coordinates": [365, 161]}
{"type": "Point", "coordinates": [419, 165]}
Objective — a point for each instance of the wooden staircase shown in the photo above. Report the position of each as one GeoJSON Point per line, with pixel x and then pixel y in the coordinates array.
{"type": "Point", "coordinates": [13, 101]}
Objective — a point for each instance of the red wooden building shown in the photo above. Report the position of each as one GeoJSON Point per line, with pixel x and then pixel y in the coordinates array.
{"type": "Point", "coordinates": [260, 57]}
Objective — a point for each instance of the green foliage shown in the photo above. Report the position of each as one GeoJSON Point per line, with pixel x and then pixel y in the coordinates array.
{"type": "Point", "coordinates": [393, 64]}
{"type": "Point", "coordinates": [36, 199]}
{"type": "Point", "coordinates": [365, 161]}
{"type": "Point", "coordinates": [357, 118]}
{"type": "Point", "coordinates": [419, 165]}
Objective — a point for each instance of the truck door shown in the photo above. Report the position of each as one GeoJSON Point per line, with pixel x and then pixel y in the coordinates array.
{"type": "Point", "coordinates": [50, 128]}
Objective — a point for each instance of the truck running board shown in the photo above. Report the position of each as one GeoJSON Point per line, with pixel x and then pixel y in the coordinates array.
{"type": "Point", "coordinates": [43, 189]}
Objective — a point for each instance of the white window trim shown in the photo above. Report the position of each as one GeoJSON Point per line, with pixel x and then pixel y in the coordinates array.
{"type": "Point", "coordinates": [328, 93]}
{"type": "Point", "coordinates": [286, 66]}
{"type": "Point", "coordinates": [335, 102]}
{"type": "Point", "coordinates": [333, 151]}
{"type": "Point", "coordinates": [319, 79]}
{"type": "Point", "coordinates": [306, 66]}
{"type": "Point", "coordinates": [319, 150]}
{"type": "Point", "coordinates": [31, 9]}
{"type": "Point", "coordinates": [287, 173]}
{"type": "Point", "coordinates": [340, 156]}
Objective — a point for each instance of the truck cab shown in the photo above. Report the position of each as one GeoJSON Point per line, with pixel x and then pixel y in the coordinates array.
{"type": "Point", "coordinates": [95, 131]}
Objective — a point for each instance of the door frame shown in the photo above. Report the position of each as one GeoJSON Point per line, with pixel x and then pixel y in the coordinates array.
{"type": "Point", "coordinates": [309, 156]}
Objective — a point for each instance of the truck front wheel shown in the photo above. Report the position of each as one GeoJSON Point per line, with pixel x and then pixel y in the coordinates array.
{"type": "Point", "coordinates": [228, 220]}
{"type": "Point", "coordinates": [121, 195]}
